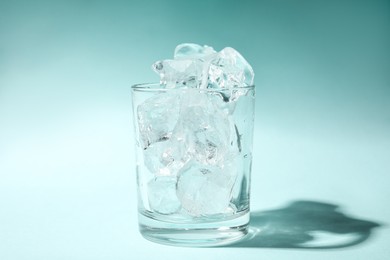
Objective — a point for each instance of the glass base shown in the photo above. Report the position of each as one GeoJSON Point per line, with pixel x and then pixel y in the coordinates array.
{"type": "Point", "coordinates": [201, 234]}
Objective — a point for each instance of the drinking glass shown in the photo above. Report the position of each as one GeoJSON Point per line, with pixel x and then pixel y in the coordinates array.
{"type": "Point", "coordinates": [193, 163]}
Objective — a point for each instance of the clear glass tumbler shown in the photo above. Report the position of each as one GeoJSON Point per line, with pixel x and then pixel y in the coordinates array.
{"type": "Point", "coordinates": [194, 155]}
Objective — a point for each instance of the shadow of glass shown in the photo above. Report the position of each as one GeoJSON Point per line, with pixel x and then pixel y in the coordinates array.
{"type": "Point", "coordinates": [305, 225]}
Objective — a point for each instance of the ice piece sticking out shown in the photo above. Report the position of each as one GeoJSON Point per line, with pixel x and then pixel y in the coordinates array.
{"type": "Point", "coordinates": [229, 69]}
{"type": "Point", "coordinates": [188, 67]}
{"type": "Point", "coordinates": [204, 190]}
{"type": "Point", "coordinates": [196, 66]}
{"type": "Point", "coordinates": [193, 51]}
{"type": "Point", "coordinates": [179, 73]}
{"type": "Point", "coordinates": [162, 195]}
{"type": "Point", "coordinates": [157, 117]}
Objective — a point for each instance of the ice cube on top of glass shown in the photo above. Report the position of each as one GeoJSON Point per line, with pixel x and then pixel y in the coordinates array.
{"type": "Point", "coordinates": [229, 69]}
{"type": "Point", "coordinates": [192, 51]}
{"type": "Point", "coordinates": [196, 66]}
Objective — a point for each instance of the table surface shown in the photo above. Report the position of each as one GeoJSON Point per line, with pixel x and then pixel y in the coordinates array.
{"type": "Point", "coordinates": [321, 169]}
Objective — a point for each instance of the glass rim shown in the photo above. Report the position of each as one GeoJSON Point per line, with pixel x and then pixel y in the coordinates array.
{"type": "Point", "coordinates": [152, 87]}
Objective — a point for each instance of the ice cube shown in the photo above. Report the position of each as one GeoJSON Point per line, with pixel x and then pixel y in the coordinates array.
{"type": "Point", "coordinates": [204, 190]}
{"type": "Point", "coordinates": [196, 66]}
{"type": "Point", "coordinates": [208, 147]}
{"type": "Point", "coordinates": [162, 195]}
{"type": "Point", "coordinates": [179, 73]}
{"type": "Point", "coordinates": [157, 117]}
{"type": "Point", "coordinates": [193, 51]}
{"type": "Point", "coordinates": [222, 100]}
{"type": "Point", "coordinates": [207, 127]}
{"type": "Point", "coordinates": [229, 69]}
{"type": "Point", "coordinates": [166, 158]}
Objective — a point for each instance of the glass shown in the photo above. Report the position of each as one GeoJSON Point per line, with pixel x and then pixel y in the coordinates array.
{"type": "Point", "coordinates": [194, 155]}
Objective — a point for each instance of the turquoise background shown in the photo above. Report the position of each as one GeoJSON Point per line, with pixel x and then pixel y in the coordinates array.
{"type": "Point", "coordinates": [322, 133]}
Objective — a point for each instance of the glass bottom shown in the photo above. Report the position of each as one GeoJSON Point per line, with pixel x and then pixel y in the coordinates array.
{"type": "Point", "coordinates": [200, 234]}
